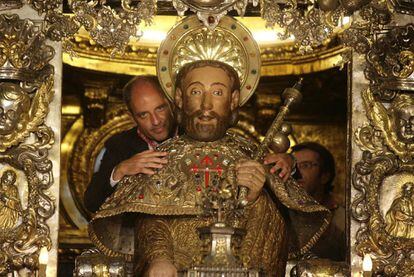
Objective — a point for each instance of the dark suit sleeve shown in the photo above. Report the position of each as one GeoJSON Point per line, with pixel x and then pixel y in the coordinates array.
{"type": "Point", "coordinates": [118, 149]}
{"type": "Point", "coordinates": [100, 188]}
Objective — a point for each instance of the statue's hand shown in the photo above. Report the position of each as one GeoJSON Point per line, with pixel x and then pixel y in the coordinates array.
{"type": "Point", "coordinates": [252, 175]}
{"type": "Point", "coordinates": [161, 268]}
{"type": "Point", "coordinates": [144, 162]}
{"type": "Point", "coordinates": [283, 164]}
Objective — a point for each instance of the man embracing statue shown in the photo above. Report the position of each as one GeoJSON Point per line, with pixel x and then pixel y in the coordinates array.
{"type": "Point", "coordinates": [169, 204]}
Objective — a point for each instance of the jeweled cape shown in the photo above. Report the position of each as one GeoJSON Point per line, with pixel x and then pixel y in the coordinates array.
{"type": "Point", "coordinates": [170, 215]}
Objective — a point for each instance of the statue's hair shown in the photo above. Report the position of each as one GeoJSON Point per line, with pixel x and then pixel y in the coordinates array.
{"type": "Point", "coordinates": [231, 72]}
{"type": "Point", "coordinates": [137, 81]}
{"type": "Point", "coordinates": [402, 100]}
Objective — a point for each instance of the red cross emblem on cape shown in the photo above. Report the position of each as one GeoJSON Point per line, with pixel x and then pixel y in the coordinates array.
{"type": "Point", "coordinates": [207, 167]}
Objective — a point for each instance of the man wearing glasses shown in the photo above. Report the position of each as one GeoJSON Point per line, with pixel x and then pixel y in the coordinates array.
{"type": "Point", "coordinates": [316, 166]}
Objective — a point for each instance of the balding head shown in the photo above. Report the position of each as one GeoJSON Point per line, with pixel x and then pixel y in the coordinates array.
{"type": "Point", "coordinates": [149, 107]}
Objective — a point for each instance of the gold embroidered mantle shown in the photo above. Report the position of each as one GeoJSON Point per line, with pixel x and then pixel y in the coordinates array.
{"type": "Point", "coordinates": [177, 191]}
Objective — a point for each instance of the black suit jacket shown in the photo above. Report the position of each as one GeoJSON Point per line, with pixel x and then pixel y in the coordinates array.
{"type": "Point", "coordinates": [118, 148]}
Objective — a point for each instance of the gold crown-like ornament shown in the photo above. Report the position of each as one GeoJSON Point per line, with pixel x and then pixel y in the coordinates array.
{"type": "Point", "coordinates": [230, 42]}
{"type": "Point", "coordinates": [24, 57]}
{"type": "Point", "coordinates": [24, 54]}
{"type": "Point", "coordinates": [391, 62]}
{"type": "Point", "coordinates": [10, 4]}
{"type": "Point", "coordinates": [211, 11]}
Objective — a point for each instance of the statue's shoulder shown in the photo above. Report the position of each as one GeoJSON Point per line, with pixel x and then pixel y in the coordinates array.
{"type": "Point", "coordinates": [171, 144]}
{"type": "Point", "coordinates": [248, 146]}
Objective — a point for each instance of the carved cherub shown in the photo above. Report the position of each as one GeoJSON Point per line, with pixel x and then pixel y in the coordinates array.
{"type": "Point", "coordinates": [396, 122]}
{"type": "Point", "coordinates": [14, 104]}
{"type": "Point", "coordinates": [402, 108]}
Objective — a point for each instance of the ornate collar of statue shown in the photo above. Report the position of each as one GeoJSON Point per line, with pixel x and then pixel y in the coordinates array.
{"type": "Point", "coordinates": [195, 171]}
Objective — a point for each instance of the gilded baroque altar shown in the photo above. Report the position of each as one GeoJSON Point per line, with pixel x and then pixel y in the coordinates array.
{"type": "Point", "coordinates": [362, 112]}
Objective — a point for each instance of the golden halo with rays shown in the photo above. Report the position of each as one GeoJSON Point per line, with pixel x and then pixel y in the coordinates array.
{"type": "Point", "coordinates": [230, 42]}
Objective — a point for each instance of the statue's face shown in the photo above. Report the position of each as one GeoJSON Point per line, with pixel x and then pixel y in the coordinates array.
{"type": "Point", "coordinates": [405, 124]}
{"type": "Point", "coordinates": [207, 102]}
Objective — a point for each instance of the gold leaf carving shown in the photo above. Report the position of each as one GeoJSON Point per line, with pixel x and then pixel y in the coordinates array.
{"type": "Point", "coordinates": [23, 220]}
{"type": "Point", "coordinates": [24, 54]}
{"type": "Point", "coordinates": [397, 137]}
{"type": "Point", "coordinates": [21, 113]}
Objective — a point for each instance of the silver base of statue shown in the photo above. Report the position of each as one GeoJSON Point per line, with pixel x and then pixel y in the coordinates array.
{"type": "Point", "coordinates": [221, 245]}
{"type": "Point", "coordinates": [220, 272]}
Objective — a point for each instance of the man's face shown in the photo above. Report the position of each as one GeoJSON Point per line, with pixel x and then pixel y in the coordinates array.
{"type": "Point", "coordinates": [151, 112]}
{"type": "Point", "coordinates": [207, 101]}
{"type": "Point", "coordinates": [309, 165]}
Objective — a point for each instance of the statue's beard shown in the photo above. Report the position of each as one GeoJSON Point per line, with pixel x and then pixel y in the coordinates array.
{"type": "Point", "coordinates": [205, 127]}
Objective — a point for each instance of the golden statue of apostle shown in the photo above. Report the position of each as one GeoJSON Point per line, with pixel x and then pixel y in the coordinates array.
{"type": "Point", "coordinates": [170, 206]}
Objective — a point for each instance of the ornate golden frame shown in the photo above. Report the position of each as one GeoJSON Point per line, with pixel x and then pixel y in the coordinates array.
{"type": "Point", "coordinates": [26, 90]}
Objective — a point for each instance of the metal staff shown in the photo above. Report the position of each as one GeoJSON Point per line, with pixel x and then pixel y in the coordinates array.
{"type": "Point", "coordinates": [292, 96]}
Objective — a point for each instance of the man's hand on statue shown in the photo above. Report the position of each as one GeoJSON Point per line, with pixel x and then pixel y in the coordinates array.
{"type": "Point", "coordinates": [161, 268]}
{"type": "Point", "coordinates": [251, 174]}
{"type": "Point", "coordinates": [145, 162]}
{"type": "Point", "coordinates": [283, 164]}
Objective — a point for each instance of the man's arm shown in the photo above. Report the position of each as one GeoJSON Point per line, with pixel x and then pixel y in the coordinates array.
{"type": "Point", "coordinates": [100, 187]}
{"type": "Point", "coordinates": [252, 175]}
{"type": "Point", "coordinates": [115, 165]}
{"type": "Point", "coordinates": [284, 164]}
{"type": "Point", "coordinates": [145, 162]}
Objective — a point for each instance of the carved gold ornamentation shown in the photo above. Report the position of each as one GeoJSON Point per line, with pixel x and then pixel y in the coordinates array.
{"type": "Point", "coordinates": [390, 64]}
{"type": "Point", "coordinates": [22, 112]}
{"type": "Point", "coordinates": [320, 267]}
{"type": "Point", "coordinates": [10, 204]}
{"type": "Point", "coordinates": [23, 221]}
{"type": "Point", "coordinates": [312, 24]}
{"type": "Point", "coordinates": [381, 233]}
{"type": "Point", "coordinates": [93, 263]}
{"type": "Point", "coordinates": [107, 26]}
{"type": "Point", "coordinates": [230, 42]}
{"type": "Point", "coordinates": [384, 206]}
{"type": "Point", "coordinates": [400, 216]}
{"type": "Point", "coordinates": [403, 6]}
{"type": "Point", "coordinates": [396, 123]}
{"type": "Point", "coordinates": [10, 4]}
{"type": "Point", "coordinates": [24, 54]}
{"type": "Point", "coordinates": [360, 35]}
{"type": "Point", "coordinates": [211, 11]}
{"type": "Point", "coordinates": [43, 6]}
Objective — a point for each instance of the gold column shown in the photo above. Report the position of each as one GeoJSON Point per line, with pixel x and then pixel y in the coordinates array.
{"type": "Point", "coordinates": [30, 103]}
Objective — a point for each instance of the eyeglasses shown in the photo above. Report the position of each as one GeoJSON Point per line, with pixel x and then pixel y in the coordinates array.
{"type": "Point", "coordinates": [307, 165]}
